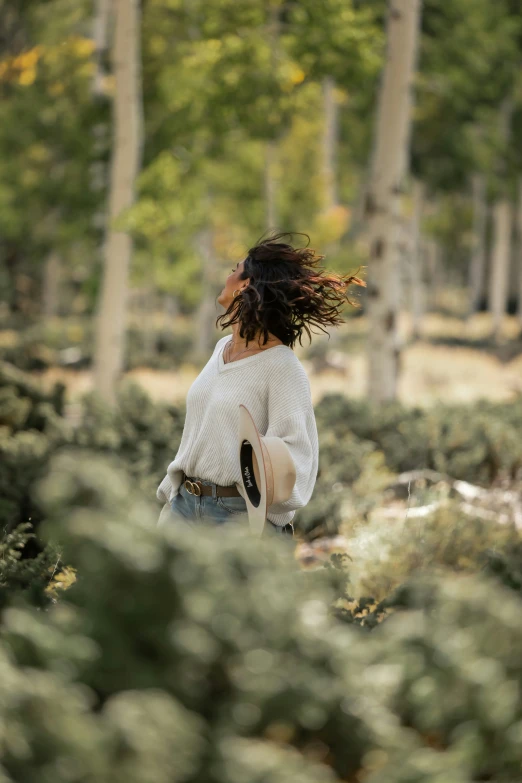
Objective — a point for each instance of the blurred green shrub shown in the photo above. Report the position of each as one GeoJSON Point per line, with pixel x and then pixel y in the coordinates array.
{"type": "Point", "coordinates": [182, 655]}
{"type": "Point", "coordinates": [70, 343]}
{"type": "Point", "coordinates": [386, 553]}
{"type": "Point", "coordinates": [476, 443]}
{"type": "Point", "coordinates": [32, 428]}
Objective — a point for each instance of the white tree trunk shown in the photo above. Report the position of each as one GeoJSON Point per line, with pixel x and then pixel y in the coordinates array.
{"type": "Point", "coordinates": [389, 167]}
{"type": "Point", "coordinates": [125, 164]}
{"type": "Point", "coordinates": [206, 317]}
{"type": "Point", "coordinates": [51, 284]}
{"type": "Point", "coordinates": [330, 141]}
{"type": "Point", "coordinates": [518, 256]}
{"type": "Point", "coordinates": [270, 181]}
{"type": "Point", "coordinates": [500, 258]}
{"type": "Point", "coordinates": [417, 290]}
{"type": "Point", "coordinates": [102, 14]}
{"type": "Point", "coordinates": [477, 268]}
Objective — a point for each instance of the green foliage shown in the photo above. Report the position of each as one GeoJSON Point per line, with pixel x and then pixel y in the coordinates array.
{"type": "Point", "coordinates": [32, 428]}
{"type": "Point", "coordinates": [30, 576]}
{"type": "Point", "coordinates": [70, 343]}
{"type": "Point", "coordinates": [506, 566]}
{"type": "Point", "coordinates": [217, 659]}
{"type": "Point", "coordinates": [469, 58]}
{"type": "Point", "coordinates": [385, 553]}
{"type": "Point", "coordinates": [476, 443]}
{"type": "Point", "coordinates": [451, 670]}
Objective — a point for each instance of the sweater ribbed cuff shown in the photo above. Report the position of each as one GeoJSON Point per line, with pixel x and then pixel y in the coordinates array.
{"type": "Point", "coordinates": [164, 491]}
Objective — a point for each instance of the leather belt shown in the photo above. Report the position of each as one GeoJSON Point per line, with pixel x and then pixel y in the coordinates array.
{"type": "Point", "coordinates": [196, 487]}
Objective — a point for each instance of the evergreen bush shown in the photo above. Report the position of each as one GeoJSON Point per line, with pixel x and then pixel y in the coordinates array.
{"type": "Point", "coordinates": [208, 656]}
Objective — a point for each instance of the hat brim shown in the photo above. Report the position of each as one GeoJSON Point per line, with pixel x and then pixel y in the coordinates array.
{"type": "Point", "coordinates": [250, 449]}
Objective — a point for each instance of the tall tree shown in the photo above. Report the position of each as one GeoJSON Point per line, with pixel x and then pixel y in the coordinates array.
{"type": "Point", "coordinates": [518, 262]}
{"type": "Point", "coordinates": [417, 289]}
{"type": "Point", "coordinates": [477, 267]}
{"type": "Point", "coordinates": [126, 160]}
{"type": "Point", "coordinates": [502, 213]}
{"type": "Point", "coordinates": [389, 167]}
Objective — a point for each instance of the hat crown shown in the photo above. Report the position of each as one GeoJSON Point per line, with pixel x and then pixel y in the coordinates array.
{"type": "Point", "coordinates": [282, 466]}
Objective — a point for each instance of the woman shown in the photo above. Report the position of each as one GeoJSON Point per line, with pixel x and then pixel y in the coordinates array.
{"type": "Point", "coordinates": [270, 298]}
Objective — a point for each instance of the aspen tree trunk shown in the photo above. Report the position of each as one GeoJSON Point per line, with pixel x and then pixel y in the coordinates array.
{"type": "Point", "coordinates": [502, 230]}
{"type": "Point", "coordinates": [125, 163]}
{"type": "Point", "coordinates": [270, 181]}
{"type": "Point", "coordinates": [51, 283]}
{"type": "Point", "coordinates": [389, 167]}
{"type": "Point", "coordinates": [206, 316]}
{"type": "Point", "coordinates": [499, 273]}
{"type": "Point", "coordinates": [330, 141]}
{"type": "Point", "coordinates": [102, 13]}
{"type": "Point", "coordinates": [518, 256]}
{"type": "Point", "coordinates": [403, 250]}
{"type": "Point", "coordinates": [417, 290]}
{"type": "Point", "coordinates": [477, 268]}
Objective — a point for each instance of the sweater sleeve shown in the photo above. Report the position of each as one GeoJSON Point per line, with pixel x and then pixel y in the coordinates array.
{"type": "Point", "coordinates": [166, 490]}
{"type": "Point", "coordinates": [291, 417]}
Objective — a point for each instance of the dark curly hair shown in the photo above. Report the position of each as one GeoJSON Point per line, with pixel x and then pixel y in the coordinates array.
{"type": "Point", "coordinates": [287, 293]}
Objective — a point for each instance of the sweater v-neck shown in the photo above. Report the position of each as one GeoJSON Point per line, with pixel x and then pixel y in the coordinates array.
{"type": "Point", "coordinates": [222, 366]}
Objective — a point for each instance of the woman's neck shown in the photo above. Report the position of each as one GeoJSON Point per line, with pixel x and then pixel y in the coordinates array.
{"type": "Point", "coordinates": [239, 343]}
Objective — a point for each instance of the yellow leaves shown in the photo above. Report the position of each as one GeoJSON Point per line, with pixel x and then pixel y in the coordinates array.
{"type": "Point", "coordinates": [28, 59]}
{"type": "Point", "coordinates": [23, 68]}
{"type": "Point", "coordinates": [331, 224]}
{"type": "Point", "coordinates": [61, 581]}
{"type": "Point", "coordinates": [27, 77]}
{"type": "Point", "coordinates": [291, 75]}
{"type": "Point", "coordinates": [81, 47]}
{"type": "Point", "coordinates": [297, 75]}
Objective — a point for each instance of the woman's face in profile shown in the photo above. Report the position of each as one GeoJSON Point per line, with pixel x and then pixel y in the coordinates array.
{"type": "Point", "coordinates": [232, 283]}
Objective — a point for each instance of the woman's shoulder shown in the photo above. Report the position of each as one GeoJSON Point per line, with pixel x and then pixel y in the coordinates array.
{"type": "Point", "coordinates": [288, 370]}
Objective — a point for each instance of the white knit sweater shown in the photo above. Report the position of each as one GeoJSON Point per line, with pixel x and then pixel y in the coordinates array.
{"type": "Point", "coordinates": [274, 386]}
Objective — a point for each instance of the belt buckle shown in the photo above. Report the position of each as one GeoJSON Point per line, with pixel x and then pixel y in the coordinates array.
{"type": "Point", "coordinates": [193, 484]}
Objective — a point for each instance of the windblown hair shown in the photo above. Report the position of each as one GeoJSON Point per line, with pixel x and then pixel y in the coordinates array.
{"type": "Point", "coordinates": [287, 293]}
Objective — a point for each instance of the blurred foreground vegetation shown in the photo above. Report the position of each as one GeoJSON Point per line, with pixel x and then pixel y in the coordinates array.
{"type": "Point", "coordinates": [211, 656]}
{"type": "Point", "coordinates": [386, 651]}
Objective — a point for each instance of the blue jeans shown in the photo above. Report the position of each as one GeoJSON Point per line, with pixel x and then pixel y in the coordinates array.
{"type": "Point", "coordinates": [207, 508]}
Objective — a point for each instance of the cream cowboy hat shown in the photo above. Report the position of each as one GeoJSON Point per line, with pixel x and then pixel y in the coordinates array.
{"type": "Point", "coordinates": [268, 471]}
